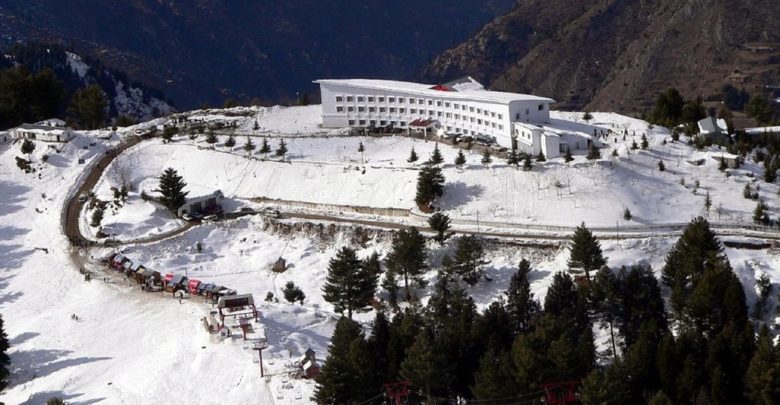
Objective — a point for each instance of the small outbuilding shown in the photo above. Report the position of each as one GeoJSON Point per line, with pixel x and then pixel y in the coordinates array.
{"type": "Point", "coordinates": [44, 133]}
{"type": "Point", "coordinates": [205, 204]}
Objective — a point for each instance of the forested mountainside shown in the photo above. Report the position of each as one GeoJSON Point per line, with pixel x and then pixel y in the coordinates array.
{"type": "Point", "coordinates": [617, 55]}
{"type": "Point", "coordinates": [199, 51]}
{"type": "Point", "coordinates": [40, 81]}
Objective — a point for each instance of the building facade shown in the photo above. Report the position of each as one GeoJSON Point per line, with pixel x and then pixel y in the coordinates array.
{"type": "Point", "coordinates": [459, 107]}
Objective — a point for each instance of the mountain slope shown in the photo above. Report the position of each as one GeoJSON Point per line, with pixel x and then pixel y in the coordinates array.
{"type": "Point", "coordinates": [208, 50]}
{"type": "Point", "coordinates": [618, 54]}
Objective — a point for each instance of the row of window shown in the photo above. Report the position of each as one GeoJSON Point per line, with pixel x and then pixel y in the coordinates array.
{"type": "Point", "coordinates": [420, 101]}
{"type": "Point", "coordinates": [384, 123]}
{"type": "Point", "coordinates": [431, 113]}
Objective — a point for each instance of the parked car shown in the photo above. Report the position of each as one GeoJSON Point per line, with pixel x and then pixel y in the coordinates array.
{"type": "Point", "coordinates": [465, 138]}
{"type": "Point", "coordinates": [197, 216]}
{"type": "Point", "coordinates": [484, 139]}
{"type": "Point", "coordinates": [210, 218]}
{"type": "Point", "coordinates": [187, 217]}
{"type": "Point", "coordinates": [270, 213]}
{"type": "Point", "coordinates": [83, 198]}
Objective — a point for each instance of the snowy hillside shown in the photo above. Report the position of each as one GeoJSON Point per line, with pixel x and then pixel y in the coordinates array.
{"type": "Point", "coordinates": [130, 347]}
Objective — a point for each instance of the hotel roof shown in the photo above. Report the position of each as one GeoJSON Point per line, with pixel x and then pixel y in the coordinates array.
{"type": "Point", "coordinates": [430, 90]}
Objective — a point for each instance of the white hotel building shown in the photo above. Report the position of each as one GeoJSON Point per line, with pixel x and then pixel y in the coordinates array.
{"type": "Point", "coordinates": [515, 121]}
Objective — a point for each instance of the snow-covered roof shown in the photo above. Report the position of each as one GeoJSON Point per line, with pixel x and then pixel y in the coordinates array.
{"type": "Point", "coordinates": [761, 130]}
{"type": "Point", "coordinates": [710, 125]}
{"type": "Point", "coordinates": [469, 92]}
{"type": "Point", "coordinates": [51, 122]}
{"type": "Point", "coordinates": [41, 129]}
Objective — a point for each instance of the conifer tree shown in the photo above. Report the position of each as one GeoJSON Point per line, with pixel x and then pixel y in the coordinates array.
{"type": "Point", "coordinates": [230, 142]}
{"type": "Point", "coordinates": [436, 157]}
{"type": "Point", "coordinates": [469, 260]}
{"type": "Point", "coordinates": [88, 107]}
{"type": "Point", "coordinates": [615, 153]}
{"type": "Point", "coordinates": [5, 361]}
{"type": "Point", "coordinates": [293, 293]}
{"type": "Point", "coordinates": [512, 159]}
{"type": "Point", "coordinates": [460, 159]}
{"type": "Point", "coordinates": [348, 285]}
{"type": "Point", "coordinates": [211, 138]}
{"type": "Point", "coordinates": [28, 147]}
{"type": "Point", "coordinates": [770, 171]}
{"type": "Point", "coordinates": [762, 379]}
{"type": "Point", "coordinates": [747, 192]}
{"type": "Point", "coordinates": [707, 202]}
{"type": "Point", "coordinates": [661, 166]}
{"type": "Point", "coordinates": [760, 215]}
{"type": "Point", "coordinates": [373, 266]}
{"type": "Point", "coordinates": [430, 185]}
{"type": "Point", "coordinates": [407, 257]}
{"type": "Point", "coordinates": [521, 306]}
{"type": "Point", "coordinates": [722, 166]}
{"type": "Point", "coordinates": [361, 149]}
{"type": "Point", "coordinates": [378, 343]}
{"type": "Point", "coordinates": [168, 133]}
{"type": "Point", "coordinates": [527, 162]}
{"type": "Point", "coordinates": [645, 144]}
{"type": "Point", "coordinates": [345, 376]}
{"type": "Point", "coordinates": [390, 284]}
{"type": "Point", "coordinates": [486, 159]}
{"type": "Point", "coordinates": [605, 301]}
{"type": "Point", "coordinates": [440, 223]}
{"type": "Point", "coordinates": [494, 377]}
{"type": "Point", "coordinates": [627, 214]}
{"type": "Point", "coordinates": [412, 156]}
{"type": "Point", "coordinates": [593, 153]}
{"type": "Point", "coordinates": [540, 157]}
{"type": "Point", "coordinates": [568, 157]}
{"type": "Point", "coordinates": [97, 216]}
{"type": "Point", "coordinates": [265, 148]}
{"type": "Point", "coordinates": [256, 126]}
{"type": "Point", "coordinates": [171, 187]}
{"type": "Point", "coordinates": [282, 149]}
{"type": "Point", "coordinates": [420, 367]}
{"type": "Point", "coordinates": [249, 146]}
{"type": "Point", "coordinates": [634, 146]}
{"type": "Point", "coordinates": [587, 116]}
{"type": "Point", "coordinates": [55, 401]}
{"type": "Point", "coordinates": [585, 251]}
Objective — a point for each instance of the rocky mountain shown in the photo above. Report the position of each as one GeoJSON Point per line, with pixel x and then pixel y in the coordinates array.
{"type": "Point", "coordinates": [617, 55]}
{"type": "Point", "coordinates": [199, 51]}
{"type": "Point", "coordinates": [124, 97]}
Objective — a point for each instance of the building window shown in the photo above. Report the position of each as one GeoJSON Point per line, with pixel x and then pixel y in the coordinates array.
{"type": "Point", "coordinates": [420, 101]}
{"type": "Point", "coordinates": [541, 107]}
{"type": "Point", "coordinates": [361, 109]}
{"type": "Point", "coordinates": [391, 99]}
{"type": "Point", "coordinates": [370, 99]}
{"type": "Point", "coordinates": [362, 122]}
{"type": "Point", "coordinates": [402, 123]}
{"type": "Point", "coordinates": [430, 102]}
{"type": "Point", "coordinates": [471, 109]}
{"type": "Point", "coordinates": [412, 101]}
{"type": "Point", "coordinates": [501, 116]}
{"type": "Point", "coordinates": [350, 109]}
{"type": "Point", "coordinates": [382, 109]}
{"type": "Point", "coordinates": [463, 107]}
{"type": "Point", "coordinates": [438, 113]}
{"type": "Point", "coordinates": [493, 114]}
{"type": "Point", "coordinates": [383, 123]}
{"type": "Point", "coordinates": [501, 127]}
{"type": "Point", "coordinates": [456, 106]}
{"type": "Point", "coordinates": [493, 124]}
{"type": "Point", "coordinates": [517, 116]}
{"type": "Point", "coordinates": [351, 122]}
{"type": "Point", "coordinates": [402, 110]}
{"type": "Point", "coordinates": [430, 112]}
{"type": "Point", "coordinates": [392, 109]}
{"type": "Point", "coordinates": [487, 113]}
{"type": "Point", "coordinates": [479, 121]}
{"type": "Point", "coordinates": [471, 119]}
{"type": "Point", "coordinates": [339, 109]}
{"type": "Point", "coordinates": [438, 103]}
{"type": "Point", "coordinates": [479, 111]}
{"type": "Point", "coordinates": [372, 122]}
{"type": "Point", "coordinates": [350, 99]}
{"type": "Point", "coordinates": [381, 99]}
{"type": "Point", "coordinates": [401, 100]}
{"type": "Point", "coordinates": [339, 99]}
{"type": "Point", "coordinates": [371, 109]}
{"type": "Point", "coordinates": [393, 123]}
{"type": "Point", "coordinates": [361, 99]}
{"type": "Point", "coordinates": [449, 128]}
{"type": "Point", "coordinates": [447, 104]}
{"type": "Point", "coordinates": [527, 111]}
{"type": "Point", "coordinates": [449, 115]}
{"type": "Point", "coordinates": [457, 116]}
{"type": "Point", "coordinates": [413, 110]}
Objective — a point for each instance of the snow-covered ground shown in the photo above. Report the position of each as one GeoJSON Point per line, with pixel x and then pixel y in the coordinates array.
{"type": "Point", "coordinates": [130, 347]}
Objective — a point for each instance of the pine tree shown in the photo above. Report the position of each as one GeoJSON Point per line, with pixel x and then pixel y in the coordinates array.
{"type": "Point", "coordinates": [770, 171]}
{"type": "Point", "coordinates": [28, 147]}
{"type": "Point", "coordinates": [460, 159]}
{"type": "Point", "coordinates": [88, 107]}
{"type": "Point", "coordinates": [5, 361]}
{"type": "Point", "coordinates": [747, 192]}
{"type": "Point", "coordinates": [527, 162]}
{"type": "Point", "coordinates": [55, 401]}
{"type": "Point", "coordinates": [593, 153]}
{"type": "Point", "coordinates": [587, 116]}
{"type": "Point", "coordinates": [378, 343]}
{"type": "Point", "coordinates": [634, 146]}
{"type": "Point", "coordinates": [349, 286]}
{"type": "Point", "coordinates": [707, 202]}
{"type": "Point", "coordinates": [568, 157]}
{"type": "Point", "coordinates": [615, 153]}
{"type": "Point", "coordinates": [361, 149]}
{"type": "Point", "coordinates": [585, 251]}
{"type": "Point", "coordinates": [469, 260]}
{"type": "Point", "coordinates": [494, 377]}
{"type": "Point", "coordinates": [256, 126]}
{"type": "Point", "coordinates": [661, 166]}
{"type": "Point", "coordinates": [760, 215]}
{"type": "Point", "coordinates": [430, 185]}
{"type": "Point", "coordinates": [412, 156]}
{"type": "Point", "coordinates": [436, 157]}
{"type": "Point", "coordinates": [230, 142]}
{"type": "Point", "coordinates": [390, 284]}
{"type": "Point", "coordinates": [440, 223]}
{"type": "Point", "coordinates": [420, 366]}
{"type": "Point", "coordinates": [293, 293]}
{"type": "Point", "coordinates": [97, 216]}
{"type": "Point", "coordinates": [645, 144]}
{"type": "Point", "coordinates": [722, 166]}
{"type": "Point", "coordinates": [521, 306]}
{"type": "Point", "coordinates": [171, 187]}
{"type": "Point", "coordinates": [168, 132]}
{"type": "Point", "coordinates": [486, 159]}
{"type": "Point", "coordinates": [407, 257]}
{"type": "Point", "coordinates": [540, 157]}
{"type": "Point", "coordinates": [265, 148]}
{"type": "Point", "coordinates": [763, 375]}
{"type": "Point", "coordinates": [627, 214]}
{"type": "Point", "coordinates": [249, 146]}
{"type": "Point", "coordinates": [373, 266]}
{"type": "Point", "coordinates": [211, 138]}
{"type": "Point", "coordinates": [282, 149]}
{"type": "Point", "coordinates": [347, 373]}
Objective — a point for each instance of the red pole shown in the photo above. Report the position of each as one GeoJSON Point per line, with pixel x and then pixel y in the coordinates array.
{"type": "Point", "coordinates": [262, 374]}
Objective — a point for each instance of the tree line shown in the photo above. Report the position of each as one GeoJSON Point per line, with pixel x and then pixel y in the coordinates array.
{"type": "Point", "coordinates": [701, 348]}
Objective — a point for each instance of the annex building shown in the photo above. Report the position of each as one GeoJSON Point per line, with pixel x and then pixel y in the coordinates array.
{"type": "Point", "coordinates": [462, 107]}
